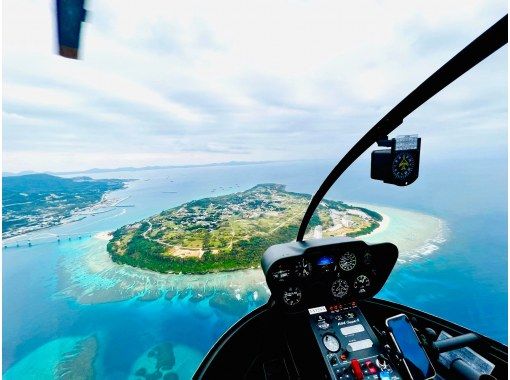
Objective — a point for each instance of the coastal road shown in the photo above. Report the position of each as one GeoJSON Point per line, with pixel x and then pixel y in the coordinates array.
{"type": "Point", "coordinates": [146, 237]}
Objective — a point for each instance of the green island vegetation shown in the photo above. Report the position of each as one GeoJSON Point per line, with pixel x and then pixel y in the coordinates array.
{"type": "Point", "coordinates": [35, 201]}
{"type": "Point", "coordinates": [230, 232]}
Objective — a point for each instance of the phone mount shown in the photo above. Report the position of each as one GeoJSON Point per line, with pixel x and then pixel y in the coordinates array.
{"type": "Point", "coordinates": [398, 165]}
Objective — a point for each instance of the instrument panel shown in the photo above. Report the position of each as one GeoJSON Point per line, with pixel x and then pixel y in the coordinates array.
{"type": "Point", "coordinates": [302, 274]}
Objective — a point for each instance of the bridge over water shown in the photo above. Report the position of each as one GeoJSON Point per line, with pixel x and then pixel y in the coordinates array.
{"type": "Point", "coordinates": [46, 238]}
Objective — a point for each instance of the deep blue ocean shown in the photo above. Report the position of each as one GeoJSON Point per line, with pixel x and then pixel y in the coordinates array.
{"type": "Point", "coordinates": [464, 281]}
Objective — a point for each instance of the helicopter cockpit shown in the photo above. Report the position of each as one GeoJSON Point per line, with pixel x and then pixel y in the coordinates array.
{"type": "Point", "coordinates": [326, 280]}
{"type": "Point", "coordinates": [322, 320]}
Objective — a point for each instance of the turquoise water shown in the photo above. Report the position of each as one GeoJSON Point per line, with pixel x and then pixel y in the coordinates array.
{"type": "Point", "coordinates": [67, 308]}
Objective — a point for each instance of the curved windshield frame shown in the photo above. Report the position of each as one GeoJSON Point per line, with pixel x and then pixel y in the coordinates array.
{"type": "Point", "coordinates": [451, 224]}
{"type": "Point", "coordinates": [482, 47]}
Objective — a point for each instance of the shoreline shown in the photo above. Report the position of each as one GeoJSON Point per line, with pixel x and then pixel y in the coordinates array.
{"type": "Point", "coordinates": [108, 235]}
{"type": "Point", "coordinates": [104, 235]}
{"type": "Point", "coordinates": [383, 225]}
{"type": "Point", "coordinates": [77, 216]}
{"type": "Point", "coordinates": [89, 275]}
{"type": "Point", "coordinates": [409, 225]}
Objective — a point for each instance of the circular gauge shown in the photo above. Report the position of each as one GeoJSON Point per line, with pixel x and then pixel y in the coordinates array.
{"type": "Point", "coordinates": [362, 283]}
{"type": "Point", "coordinates": [347, 261]}
{"type": "Point", "coordinates": [339, 288]}
{"type": "Point", "coordinates": [331, 342]}
{"type": "Point", "coordinates": [402, 166]}
{"type": "Point", "coordinates": [281, 274]}
{"type": "Point", "coordinates": [292, 295]}
{"type": "Point", "coordinates": [303, 268]}
{"type": "Point", "coordinates": [367, 259]}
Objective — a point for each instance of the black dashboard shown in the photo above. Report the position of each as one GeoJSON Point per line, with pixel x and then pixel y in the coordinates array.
{"type": "Point", "coordinates": [337, 270]}
{"type": "Point", "coordinates": [324, 279]}
{"type": "Point", "coordinates": [322, 322]}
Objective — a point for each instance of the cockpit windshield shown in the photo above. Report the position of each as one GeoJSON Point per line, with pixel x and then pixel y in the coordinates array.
{"type": "Point", "coordinates": [142, 183]}
{"type": "Point", "coordinates": [451, 224]}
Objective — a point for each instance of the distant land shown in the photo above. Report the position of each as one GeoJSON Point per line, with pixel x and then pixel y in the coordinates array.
{"type": "Point", "coordinates": [142, 168]}
{"type": "Point", "coordinates": [35, 201]}
{"type": "Point", "coordinates": [230, 232]}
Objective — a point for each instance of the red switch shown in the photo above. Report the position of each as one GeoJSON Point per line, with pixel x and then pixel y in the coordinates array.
{"type": "Point", "coordinates": [356, 369]}
{"type": "Point", "coordinates": [371, 367]}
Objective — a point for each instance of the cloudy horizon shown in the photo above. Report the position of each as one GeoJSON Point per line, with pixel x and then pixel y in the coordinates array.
{"type": "Point", "coordinates": [164, 83]}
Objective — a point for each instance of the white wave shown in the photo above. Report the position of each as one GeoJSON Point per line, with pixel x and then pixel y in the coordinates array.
{"type": "Point", "coordinates": [429, 246]}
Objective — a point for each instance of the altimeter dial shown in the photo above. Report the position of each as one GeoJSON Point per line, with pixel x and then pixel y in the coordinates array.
{"type": "Point", "coordinates": [347, 261]}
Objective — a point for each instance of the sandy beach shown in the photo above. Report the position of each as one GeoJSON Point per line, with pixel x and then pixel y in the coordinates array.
{"type": "Point", "coordinates": [383, 225]}
{"type": "Point", "coordinates": [94, 278]}
{"type": "Point", "coordinates": [415, 234]}
{"type": "Point", "coordinates": [103, 235]}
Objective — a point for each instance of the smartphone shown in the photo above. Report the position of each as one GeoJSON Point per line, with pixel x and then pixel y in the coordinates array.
{"type": "Point", "coordinates": [416, 360]}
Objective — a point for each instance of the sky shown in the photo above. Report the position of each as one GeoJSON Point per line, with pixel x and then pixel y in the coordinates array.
{"type": "Point", "coordinates": [175, 83]}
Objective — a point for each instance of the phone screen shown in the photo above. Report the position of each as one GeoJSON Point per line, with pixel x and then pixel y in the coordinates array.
{"type": "Point", "coordinates": [414, 354]}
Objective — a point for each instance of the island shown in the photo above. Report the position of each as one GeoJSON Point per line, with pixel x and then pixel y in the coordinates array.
{"type": "Point", "coordinates": [230, 232]}
{"type": "Point", "coordinates": [35, 201]}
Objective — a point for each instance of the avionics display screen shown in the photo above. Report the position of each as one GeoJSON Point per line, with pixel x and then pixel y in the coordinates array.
{"type": "Point", "coordinates": [325, 260]}
{"type": "Point", "coordinates": [416, 359]}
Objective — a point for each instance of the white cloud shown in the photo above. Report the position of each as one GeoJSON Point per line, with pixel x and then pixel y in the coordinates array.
{"type": "Point", "coordinates": [187, 82]}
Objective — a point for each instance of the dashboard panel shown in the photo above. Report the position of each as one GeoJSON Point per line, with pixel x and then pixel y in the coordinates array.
{"type": "Point", "coordinates": [306, 274]}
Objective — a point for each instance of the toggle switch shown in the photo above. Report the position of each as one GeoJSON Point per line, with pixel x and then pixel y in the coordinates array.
{"type": "Point", "coordinates": [356, 369]}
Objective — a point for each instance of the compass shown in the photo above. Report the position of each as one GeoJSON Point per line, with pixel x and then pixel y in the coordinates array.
{"type": "Point", "coordinates": [402, 166]}
{"type": "Point", "coordinates": [398, 165]}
